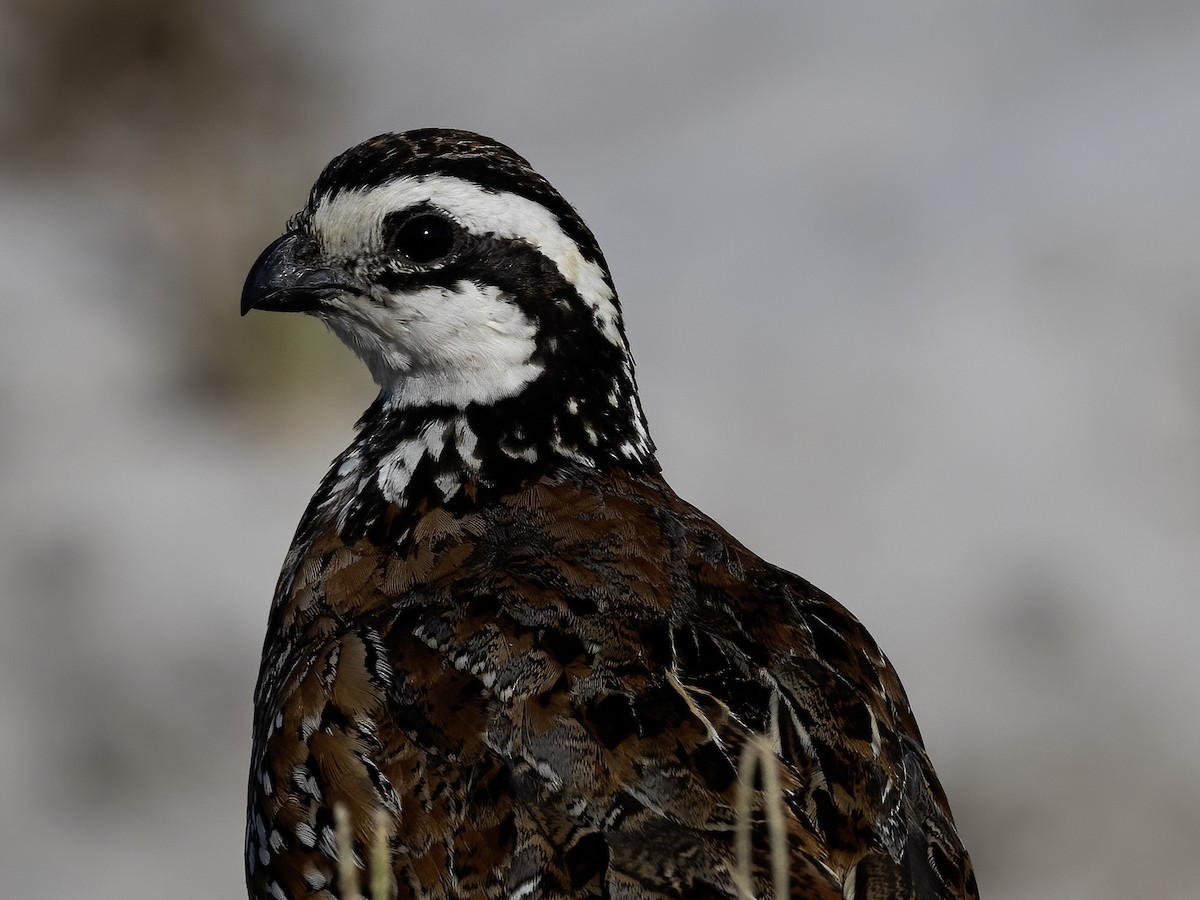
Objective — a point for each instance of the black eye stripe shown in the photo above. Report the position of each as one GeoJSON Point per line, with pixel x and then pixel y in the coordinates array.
{"type": "Point", "coordinates": [509, 264]}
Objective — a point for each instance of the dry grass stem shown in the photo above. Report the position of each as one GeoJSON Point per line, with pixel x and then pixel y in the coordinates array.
{"type": "Point", "coordinates": [347, 875]}
{"type": "Point", "coordinates": [379, 860]}
{"type": "Point", "coordinates": [755, 754]}
{"type": "Point", "coordinates": [379, 868]}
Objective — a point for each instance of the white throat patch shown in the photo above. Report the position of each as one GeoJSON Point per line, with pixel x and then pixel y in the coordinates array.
{"type": "Point", "coordinates": [452, 346]}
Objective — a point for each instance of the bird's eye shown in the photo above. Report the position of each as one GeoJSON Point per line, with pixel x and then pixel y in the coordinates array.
{"type": "Point", "coordinates": [424, 238]}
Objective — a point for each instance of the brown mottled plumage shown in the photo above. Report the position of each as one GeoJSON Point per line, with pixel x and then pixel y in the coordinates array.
{"type": "Point", "coordinates": [500, 635]}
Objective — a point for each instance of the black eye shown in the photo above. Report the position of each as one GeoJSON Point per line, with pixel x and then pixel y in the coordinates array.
{"type": "Point", "coordinates": [425, 238]}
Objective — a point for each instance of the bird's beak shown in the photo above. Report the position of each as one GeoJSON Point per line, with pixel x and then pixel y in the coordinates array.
{"type": "Point", "coordinates": [287, 278]}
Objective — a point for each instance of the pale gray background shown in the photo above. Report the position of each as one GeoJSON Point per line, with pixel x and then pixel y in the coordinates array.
{"type": "Point", "coordinates": [913, 289]}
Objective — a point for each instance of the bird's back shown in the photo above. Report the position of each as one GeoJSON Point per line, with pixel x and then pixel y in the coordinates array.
{"type": "Point", "coordinates": [550, 696]}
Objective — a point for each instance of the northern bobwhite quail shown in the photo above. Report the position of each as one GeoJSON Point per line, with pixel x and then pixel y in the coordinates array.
{"type": "Point", "coordinates": [499, 636]}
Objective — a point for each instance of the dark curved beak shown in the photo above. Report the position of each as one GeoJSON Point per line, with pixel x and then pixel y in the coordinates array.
{"type": "Point", "coordinates": [285, 278]}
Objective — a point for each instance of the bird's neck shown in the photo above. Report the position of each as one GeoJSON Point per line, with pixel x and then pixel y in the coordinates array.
{"type": "Point", "coordinates": [408, 460]}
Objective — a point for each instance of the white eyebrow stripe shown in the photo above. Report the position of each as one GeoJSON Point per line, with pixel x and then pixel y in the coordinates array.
{"type": "Point", "coordinates": [353, 219]}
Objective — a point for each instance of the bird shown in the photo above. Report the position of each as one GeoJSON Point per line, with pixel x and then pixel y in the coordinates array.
{"type": "Point", "coordinates": [502, 651]}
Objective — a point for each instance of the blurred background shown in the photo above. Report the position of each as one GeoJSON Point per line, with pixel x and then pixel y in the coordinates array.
{"type": "Point", "coordinates": [913, 290]}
